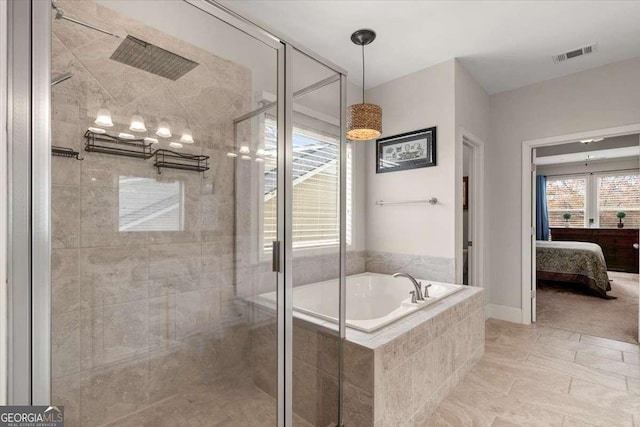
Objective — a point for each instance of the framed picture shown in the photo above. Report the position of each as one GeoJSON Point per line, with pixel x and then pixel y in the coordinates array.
{"type": "Point", "coordinates": [409, 150]}
{"type": "Point", "coordinates": [465, 192]}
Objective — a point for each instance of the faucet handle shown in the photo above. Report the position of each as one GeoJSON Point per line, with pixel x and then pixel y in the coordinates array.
{"type": "Point", "coordinates": [426, 290]}
{"type": "Point", "coordinates": [413, 297]}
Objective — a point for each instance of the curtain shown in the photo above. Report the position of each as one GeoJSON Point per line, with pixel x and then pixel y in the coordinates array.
{"type": "Point", "coordinates": [542, 213]}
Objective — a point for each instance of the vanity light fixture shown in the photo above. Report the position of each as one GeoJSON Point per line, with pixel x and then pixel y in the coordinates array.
{"type": "Point", "coordinates": [124, 135]}
{"type": "Point", "coordinates": [259, 160]}
{"type": "Point", "coordinates": [364, 121]}
{"type": "Point", "coordinates": [232, 155]}
{"type": "Point", "coordinates": [244, 150]}
{"type": "Point", "coordinates": [96, 130]}
{"type": "Point", "coordinates": [246, 157]}
{"type": "Point", "coordinates": [150, 140]}
{"type": "Point", "coordinates": [186, 137]}
{"type": "Point", "coordinates": [260, 152]}
{"type": "Point", "coordinates": [137, 124]}
{"type": "Point", "coordinates": [175, 145]}
{"type": "Point", "coordinates": [103, 118]}
{"type": "Point", "coordinates": [163, 130]}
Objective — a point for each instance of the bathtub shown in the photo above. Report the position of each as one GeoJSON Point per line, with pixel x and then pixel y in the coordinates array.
{"type": "Point", "coordinates": [373, 300]}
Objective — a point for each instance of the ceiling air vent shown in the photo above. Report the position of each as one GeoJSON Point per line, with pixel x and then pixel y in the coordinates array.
{"type": "Point", "coordinates": [585, 50]}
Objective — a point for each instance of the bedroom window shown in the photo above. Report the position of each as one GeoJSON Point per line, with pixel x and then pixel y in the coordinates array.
{"type": "Point", "coordinates": [619, 193]}
{"type": "Point", "coordinates": [566, 195]}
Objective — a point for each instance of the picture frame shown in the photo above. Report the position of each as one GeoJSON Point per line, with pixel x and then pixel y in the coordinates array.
{"type": "Point", "coordinates": [465, 193]}
{"type": "Point", "coordinates": [410, 150]}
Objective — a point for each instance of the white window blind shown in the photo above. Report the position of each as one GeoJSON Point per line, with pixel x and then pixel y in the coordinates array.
{"type": "Point", "coordinates": [316, 188]}
{"type": "Point", "coordinates": [619, 193]}
{"type": "Point", "coordinates": [149, 205]}
{"type": "Point", "coordinates": [566, 195]}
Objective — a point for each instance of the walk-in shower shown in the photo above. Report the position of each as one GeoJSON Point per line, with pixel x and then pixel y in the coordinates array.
{"type": "Point", "coordinates": [200, 162]}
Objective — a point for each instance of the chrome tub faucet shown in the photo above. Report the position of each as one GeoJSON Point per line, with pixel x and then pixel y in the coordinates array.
{"type": "Point", "coordinates": [417, 294]}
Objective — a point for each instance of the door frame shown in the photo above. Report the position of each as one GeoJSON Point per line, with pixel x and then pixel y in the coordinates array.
{"type": "Point", "coordinates": [528, 231]}
{"type": "Point", "coordinates": [476, 207]}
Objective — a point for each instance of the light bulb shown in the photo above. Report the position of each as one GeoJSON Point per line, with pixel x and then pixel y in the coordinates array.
{"type": "Point", "coordinates": [175, 145]}
{"type": "Point", "coordinates": [163, 130]}
{"type": "Point", "coordinates": [103, 118]}
{"type": "Point", "coordinates": [126, 135]}
{"type": "Point", "coordinates": [232, 155]}
{"type": "Point", "coordinates": [244, 150]}
{"type": "Point", "coordinates": [149, 140]}
{"type": "Point", "coordinates": [246, 157]}
{"type": "Point", "coordinates": [187, 137]}
{"type": "Point", "coordinates": [137, 124]}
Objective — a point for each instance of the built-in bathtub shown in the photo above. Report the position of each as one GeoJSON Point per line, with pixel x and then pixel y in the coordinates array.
{"type": "Point", "coordinates": [373, 300]}
{"type": "Point", "coordinates": [399, 360]}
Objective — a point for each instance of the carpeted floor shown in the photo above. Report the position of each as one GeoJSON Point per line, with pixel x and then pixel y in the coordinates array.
{"type": "Point", "coordinates": [566, 307]}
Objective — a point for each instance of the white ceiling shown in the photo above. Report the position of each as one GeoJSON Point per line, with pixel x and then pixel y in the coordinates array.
{"type": "Point", "coordinates": [504, 44]}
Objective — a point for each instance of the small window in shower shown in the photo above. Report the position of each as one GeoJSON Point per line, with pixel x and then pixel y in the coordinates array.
{"type": "Point", "coordinates": [149, 205]}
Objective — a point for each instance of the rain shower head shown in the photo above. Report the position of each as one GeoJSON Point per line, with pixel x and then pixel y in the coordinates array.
{"type": "Point", "coordinates": [60, 78]}
{"type": "Point", "coordinates": [153, 59]}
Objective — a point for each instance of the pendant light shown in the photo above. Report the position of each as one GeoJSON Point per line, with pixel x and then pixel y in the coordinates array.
{"type": "Point", "coordinates": [364, 121]}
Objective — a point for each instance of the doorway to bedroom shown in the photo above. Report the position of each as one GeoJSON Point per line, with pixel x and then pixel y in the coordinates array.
{"type": "Point", "coordinates": [585, 208]}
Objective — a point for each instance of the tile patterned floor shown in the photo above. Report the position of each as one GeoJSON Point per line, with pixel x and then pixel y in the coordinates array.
{"type": "Point", "coordinates": [225, 403]}
{"type": "Point", "coordinates": [529, 376]}
{"type": "Point", "coordinates": [541, 376]}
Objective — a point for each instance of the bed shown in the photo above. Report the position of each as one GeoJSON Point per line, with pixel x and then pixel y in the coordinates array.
{"type": "Point", "coordinates": [573, 262]}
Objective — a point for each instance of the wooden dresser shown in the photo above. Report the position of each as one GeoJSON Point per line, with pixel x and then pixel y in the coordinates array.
{"type": "Point", "coordinates": [616, 243]}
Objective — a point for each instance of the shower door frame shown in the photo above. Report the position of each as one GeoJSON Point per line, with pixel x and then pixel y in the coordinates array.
{"type": "Point", "coordinates": [29, 242]}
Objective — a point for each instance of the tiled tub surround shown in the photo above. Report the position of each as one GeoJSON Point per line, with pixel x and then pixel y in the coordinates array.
{"type": "Point", "coordinates": [140, 316]}
{"type": "Point", "coordinates": [438, 269]}
{"type": "Point", "coordinates": [394, 377]}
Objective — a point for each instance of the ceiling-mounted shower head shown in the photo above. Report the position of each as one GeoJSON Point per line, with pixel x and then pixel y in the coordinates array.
{"type": "Point", "coordinates": [60, 78]}
{"type": "Point", "coordinates": [60, 15]}
{"type": "Point", "coordinates": [153, 59]}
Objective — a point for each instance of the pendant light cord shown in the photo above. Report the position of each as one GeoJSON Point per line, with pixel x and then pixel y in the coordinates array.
{"type": "Point", "coordinates": [363, 73]}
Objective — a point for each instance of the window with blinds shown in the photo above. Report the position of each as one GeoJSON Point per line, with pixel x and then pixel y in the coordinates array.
{"type": "Point", "coordinates": [566, 195]}
{"type": "Point", "coordinates": [149, 205]}
{"type": "Point", "coordinates": [619, 193]}
{"type": "Point", "coordinates": [316, 188]}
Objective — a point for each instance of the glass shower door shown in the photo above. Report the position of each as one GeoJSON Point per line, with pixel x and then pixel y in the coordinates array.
{"type": "Point", "coordinates": [160, 234]}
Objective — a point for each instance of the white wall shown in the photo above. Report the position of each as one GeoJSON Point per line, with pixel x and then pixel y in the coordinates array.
{"type": "Point", "coordinates": [359, 152]}
{"type": "Point", "coordinates": [600, 98]}
{"type": "Point", "coordinates": [472, 111]}
{"type": "Point", "coordinates": [416, 101]}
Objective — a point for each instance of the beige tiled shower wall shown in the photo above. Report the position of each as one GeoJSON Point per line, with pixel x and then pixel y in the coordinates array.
{"type": "Point", "coordinates": [140, 316]}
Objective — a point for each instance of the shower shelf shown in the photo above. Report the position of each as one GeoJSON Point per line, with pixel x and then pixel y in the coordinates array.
{"type": "Point", "coordinates": [109, 144]}
{"type": "Point", "coordinates": [171, 159]}
{"type": "Point", "coordinates": [65, 152]}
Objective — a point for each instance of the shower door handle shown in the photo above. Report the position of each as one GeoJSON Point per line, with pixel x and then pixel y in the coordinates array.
{"type": "Point", "coordinates": [275, 252]}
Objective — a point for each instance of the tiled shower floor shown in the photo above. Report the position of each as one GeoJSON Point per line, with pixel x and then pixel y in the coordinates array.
{"type": "Point", "coordinates": [226, 402]}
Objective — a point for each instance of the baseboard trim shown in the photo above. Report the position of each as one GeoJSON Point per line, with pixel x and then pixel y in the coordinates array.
{"type": "Point", "coordinates": [503, 312]}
